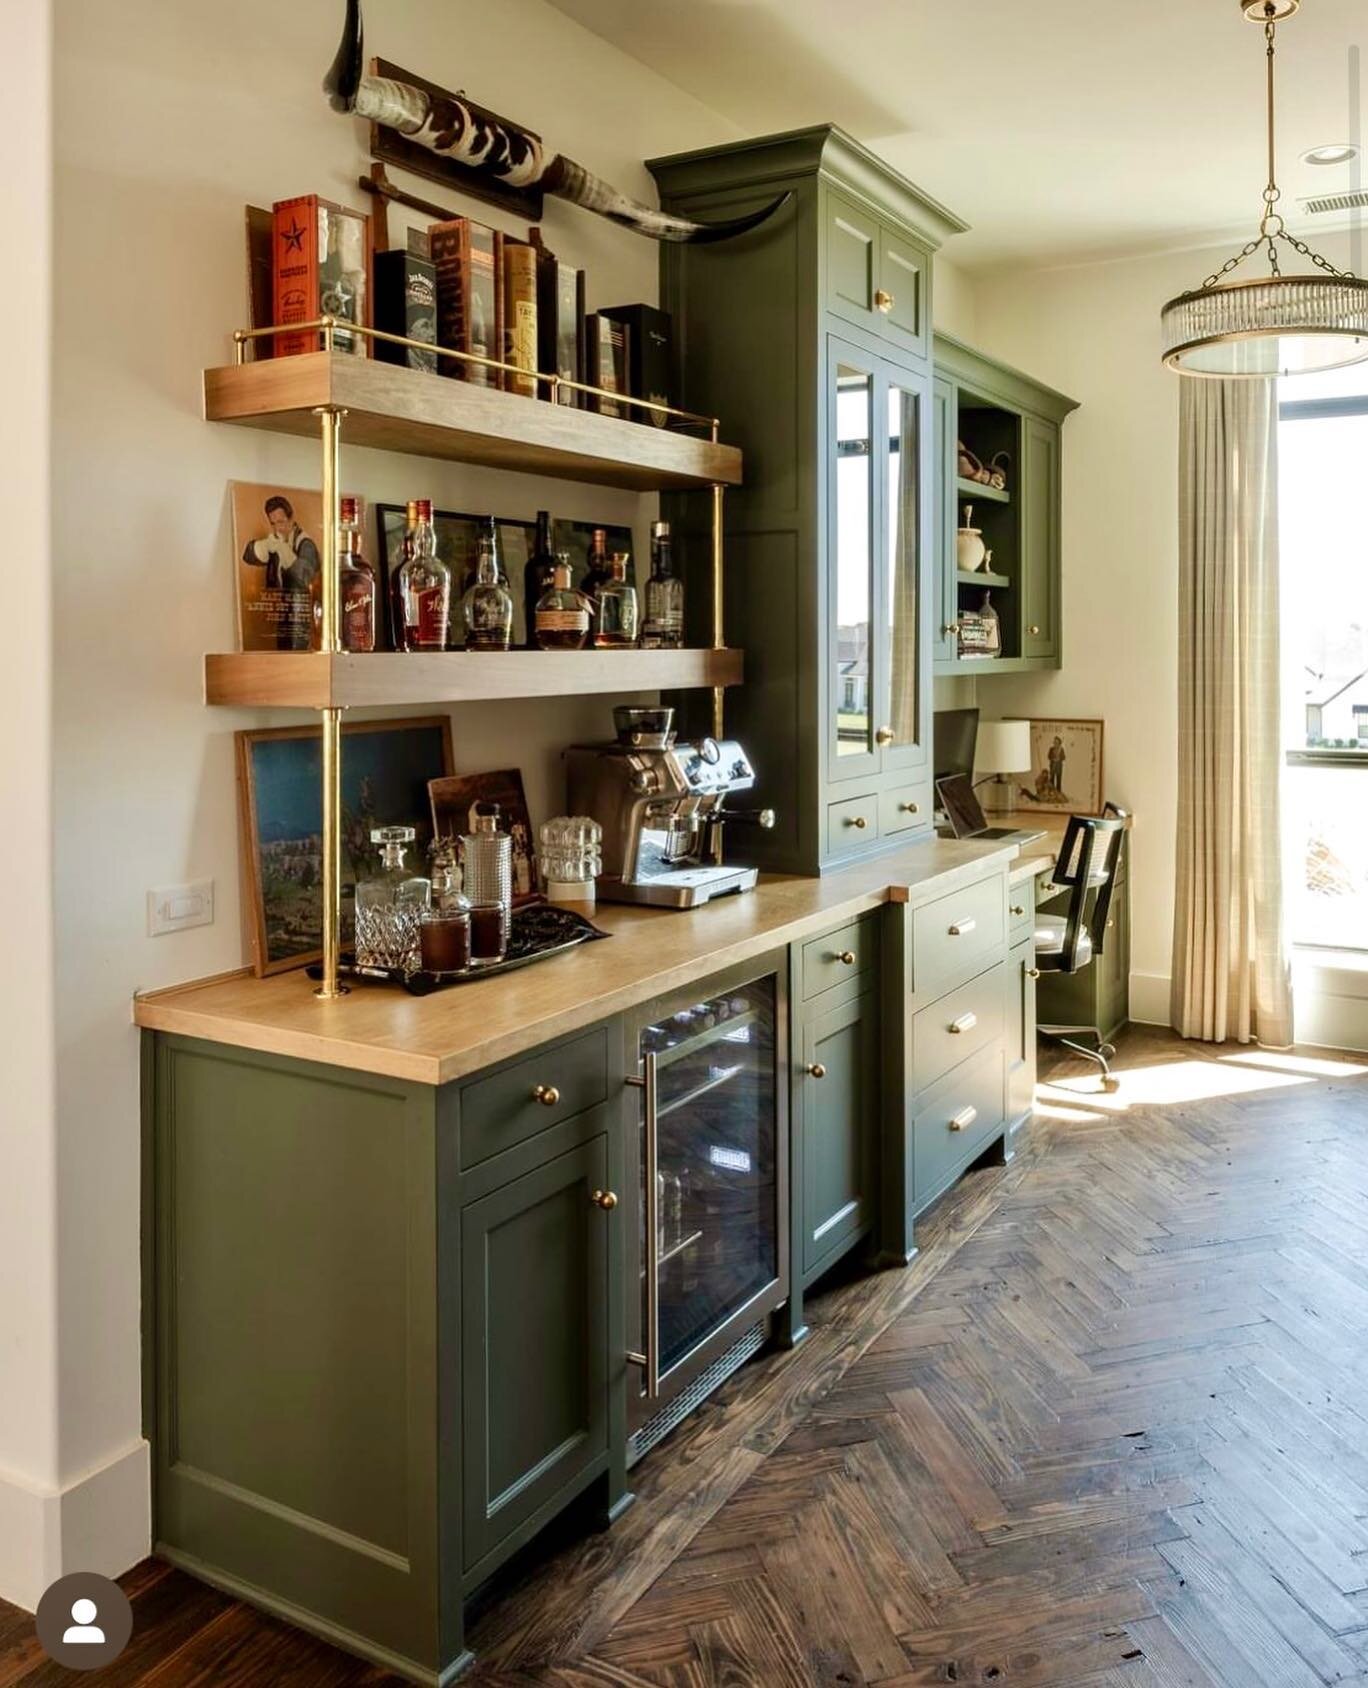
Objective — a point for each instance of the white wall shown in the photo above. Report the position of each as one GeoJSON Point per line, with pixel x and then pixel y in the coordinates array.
{"type": "Point", "coordinates": [171, 115]}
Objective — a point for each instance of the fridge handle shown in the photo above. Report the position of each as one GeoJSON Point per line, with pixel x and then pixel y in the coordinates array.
{"type": "Point", "coordinates": [649, 1085]}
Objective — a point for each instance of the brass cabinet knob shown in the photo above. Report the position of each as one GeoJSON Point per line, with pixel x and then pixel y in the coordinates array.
{"type": "Point", "coordinates": [950, 627]}
{"type": "Point", "coordinates": [1018, 908]}
{"type": "Point", "coordinates": [907, 808]}
{"type": "Point", "coordinates": [817, 1070]}
{"type": "Point", "coordinates": [883, 301]}
{"type": "Point", "coordinates": [847, 956]}
{"type": "Point", "coordinates": [963, 1119]}
{"type": "Point", "coordinates": [884, 736]}
{"type": "Point", "coordinates": [547, 1095]}
{"type": "Point", "coordinates": [606, 1199]}
{"type": "Point", "coordinates": [858, 821]}
{"type": "Point", "coordinates": [1033, 630]}
{"type": "Point", "coordinates": [1032, 972]}
{"type": "Point", "coordinates": [1111, 923]}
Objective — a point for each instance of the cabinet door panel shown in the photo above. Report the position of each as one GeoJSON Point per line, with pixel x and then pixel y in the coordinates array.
{"type": "Point", "coordinates": [837, 1121]}
{"type": "Point", "coordinates": [1040, 541]}
{"type": "Point", "coordinates": [902, 292]}
{"type": "Point", "coordinates": [853, 523]}
{"type": "Point", "coordinates": [944, 647]}
{"type": "Point", "coordinates": [1021, 1030]}
{"type": "Point", "coordinates": [904, 728]}
{"type": "Point", "coordinates": [852, 257]}
{"type": "Point", "coordinates": [534, 1335]}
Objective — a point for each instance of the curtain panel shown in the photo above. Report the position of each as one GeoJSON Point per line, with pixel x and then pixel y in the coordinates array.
{"type": "Point", "coordinates": [1230, 966]}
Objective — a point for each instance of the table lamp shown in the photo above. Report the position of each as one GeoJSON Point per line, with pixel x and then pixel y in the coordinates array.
{"type": "Point", "coordinates": [1003, 747]}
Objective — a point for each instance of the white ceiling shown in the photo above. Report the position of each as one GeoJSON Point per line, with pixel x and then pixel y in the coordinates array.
{"type": "Point", "coordinates": [1061, 130]}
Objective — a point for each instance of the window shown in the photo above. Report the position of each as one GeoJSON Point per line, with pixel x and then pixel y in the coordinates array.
{"type": "Point", "coordinates": [1323, 448]}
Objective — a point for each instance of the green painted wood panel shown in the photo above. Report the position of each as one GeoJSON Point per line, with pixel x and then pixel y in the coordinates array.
{"type": "Point", "coordinates": [944, 647]}
{"type": "Point", "coordinates": [1021, 1014]}
{"type": "Point", "coordinates": [852, 240]}
{"type": "Point", "coordinates": [940, 1152]}
{"type": "Point", "coordinates": [1040, 547]}
{"type": "Point", "coordinates": [838, 1121]}
{"type": "Point", "coordinates": [903, 269]}
{"type": "Point", "coordinates": [501, 1109]}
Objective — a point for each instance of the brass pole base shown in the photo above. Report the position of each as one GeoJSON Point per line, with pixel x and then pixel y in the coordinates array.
{"type": "Point", "coordinates": [326, 993]}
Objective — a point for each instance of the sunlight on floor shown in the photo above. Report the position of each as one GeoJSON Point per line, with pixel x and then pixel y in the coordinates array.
{"type": "Point", "coordinates": [1317, 1066]}
{"type": "Point", "coordinates": [1046, 1110]}
{"type": "Point", "coordinates": [1169, 1082]}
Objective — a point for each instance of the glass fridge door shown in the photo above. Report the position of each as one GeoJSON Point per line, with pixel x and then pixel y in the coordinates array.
{"type": "Point", "coordinates": [715, 1154]}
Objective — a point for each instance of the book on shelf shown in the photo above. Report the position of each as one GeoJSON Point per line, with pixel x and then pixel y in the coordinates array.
{"type": "Point", "coordinates": [466, 255]}
{"type": "Point", "coordinates": [520, 315]}
{"type": "Point", "coordinates": [649, 357]}
{"type": "Point", "coordinates": [406, 302]}
{"type": "Point", "coordinates": [607, 364]}
{"type": "Point", "coordinates": [560, 322]}
{"type": "Point", "coordinates": [320, 267]}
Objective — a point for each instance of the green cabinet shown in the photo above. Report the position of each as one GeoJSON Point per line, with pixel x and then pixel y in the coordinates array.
{"type": "Point", "coordinates": [811, 337]}
{"type": "Point", "coordinates": [534, 1343]}
{"type": "Point", "coordinates": [1098, 994]}
{"type": "Point", "coordinates": [1009, 421]}
{"type": "Point", "coordinates": [1021, 1032]}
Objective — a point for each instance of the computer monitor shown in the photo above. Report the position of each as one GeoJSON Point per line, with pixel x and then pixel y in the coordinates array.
{"type": "Point", "coordinates": [956, 734]}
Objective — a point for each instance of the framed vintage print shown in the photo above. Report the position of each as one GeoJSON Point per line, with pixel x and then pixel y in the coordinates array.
{"type": "Point", "coordinates": [456, 535]}
{"type": "Point", "coordinates": [452, 799]}
{"type": "Point", "coordinates": [277, 551]}
{"type": "Point", "coordinates": [1066, 769]}
{"type": "Point", "coordinates": [386, 767]}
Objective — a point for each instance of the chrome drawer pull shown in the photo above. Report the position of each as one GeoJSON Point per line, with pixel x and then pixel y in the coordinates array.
{"type": "Point", "coordinates": [962, 928]}
{"type": "Point", "coordinates": [546, 1094]}
{"type": "Point", "coordinates": [965, 1023]}
{"type": "Point", "coordinates": [963, 1119]}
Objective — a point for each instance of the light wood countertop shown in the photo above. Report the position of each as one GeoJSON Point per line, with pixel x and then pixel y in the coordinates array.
{"type": "Point", "coordinates": [433, 1039]}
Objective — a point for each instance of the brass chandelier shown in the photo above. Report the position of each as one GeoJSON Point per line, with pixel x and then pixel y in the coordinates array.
{"type": "Point", "coordinates": [1281, 324]}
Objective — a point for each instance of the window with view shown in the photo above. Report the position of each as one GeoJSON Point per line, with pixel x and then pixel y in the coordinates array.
{"type": "Point", "coordinates": [1323, 459]}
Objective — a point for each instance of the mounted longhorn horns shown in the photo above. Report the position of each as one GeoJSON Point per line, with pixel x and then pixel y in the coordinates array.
{"type": "Point", "coordinates": [445, 125]}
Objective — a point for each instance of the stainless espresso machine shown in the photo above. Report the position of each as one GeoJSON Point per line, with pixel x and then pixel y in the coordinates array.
{"type": "Point", "coordinates": [660, 804]}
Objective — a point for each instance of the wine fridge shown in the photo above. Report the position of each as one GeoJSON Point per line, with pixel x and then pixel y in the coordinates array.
{"type": "Point", "coordinates": [709, 1163]}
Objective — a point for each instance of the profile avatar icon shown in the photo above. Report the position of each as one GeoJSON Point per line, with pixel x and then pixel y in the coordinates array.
{"type": "Point", "coordinates": [83, 1627]}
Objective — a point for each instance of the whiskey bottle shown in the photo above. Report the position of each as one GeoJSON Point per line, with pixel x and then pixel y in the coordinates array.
{"type": "Point", "coordinates": [596, 563]}
{"type": "Point", "coordinates": [356, 579]}
{"type": "Point", "coordinates": [422, 586]}
{"type": "Point", "coordinates": [538, 575]}
{"type": "Point", "coordinates": [487, 607]}
{"type": "Point", "coordinates": [616, 622]}
{"type": "Point", "coordinates": [562, 615]}
{"type": "Point", "coordinates": [663, 626]}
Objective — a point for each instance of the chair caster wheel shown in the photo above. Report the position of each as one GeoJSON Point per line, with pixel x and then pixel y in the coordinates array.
{"type": "Point", "coordinates": [1110, 1083]}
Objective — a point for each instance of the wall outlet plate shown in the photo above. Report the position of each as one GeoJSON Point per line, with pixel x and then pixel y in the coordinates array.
{"type": "Point", "coordinates": [171, 908]}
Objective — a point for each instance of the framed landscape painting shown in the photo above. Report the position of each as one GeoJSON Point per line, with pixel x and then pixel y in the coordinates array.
{"type": "Point", "coordinates": [386, 767]}
{"type": "Point", "coordinates": [1066, 769]}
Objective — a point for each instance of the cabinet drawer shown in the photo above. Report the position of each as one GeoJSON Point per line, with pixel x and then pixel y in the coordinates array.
{"type": "Point", "coordinates": [517, 1102]}
{"type": "Point", "coordinates": [1021, 911]}
{"type": "Point", "coordinates": [907, 806]}
{"type": "Point", "coordinates": [852, 823]}
{"type": "Point", "coordinates": [953, 937]}
{"type": "Point", "coordinates": [958, 1026]}
{"type": "Point", "coordinates": [956, 1121]}
{"type": "Point", "coordinates": [824, 959]}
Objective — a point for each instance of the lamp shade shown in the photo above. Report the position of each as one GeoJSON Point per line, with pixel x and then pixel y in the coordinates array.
{"type": "Point", "coordinates": [1004, 747]}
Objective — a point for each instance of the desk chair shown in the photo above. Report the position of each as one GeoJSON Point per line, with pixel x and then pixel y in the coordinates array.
{"type": "Point", "coordinates": [1067, 943]}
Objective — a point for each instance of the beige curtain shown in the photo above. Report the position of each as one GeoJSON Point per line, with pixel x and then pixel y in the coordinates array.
{"type": "Point", "coordinates": [1230, 970]}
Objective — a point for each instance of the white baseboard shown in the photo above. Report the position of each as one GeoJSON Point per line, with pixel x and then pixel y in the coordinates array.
{"type": "Point", "coordinates": [100, 1522]}
{"type": "Point", "coordinates": [1149, 999]}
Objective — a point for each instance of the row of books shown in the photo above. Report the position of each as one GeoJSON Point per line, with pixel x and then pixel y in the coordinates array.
{"type": "Point", "coordinates": [472, 289]}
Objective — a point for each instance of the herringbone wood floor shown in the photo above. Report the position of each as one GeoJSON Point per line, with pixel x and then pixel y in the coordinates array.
{"type": "Point", "coordinates": [1111, 1427]}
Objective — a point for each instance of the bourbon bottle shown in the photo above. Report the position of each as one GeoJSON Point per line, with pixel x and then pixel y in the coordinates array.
{"type": "Point", "coordinates": [596, 563]}
{"type": "Point", "coordinates": [538, 575]}
{"type": "Point", "coordinates": [487, 606]}
{"type": "Point", "coordinates": [422, 586]}
{"type": "Point", "coordinates": [562, 615]}
{"type": "Point", "coordinates": [356, 579]}
{"type": "Point", "coordinates": [662, 627]}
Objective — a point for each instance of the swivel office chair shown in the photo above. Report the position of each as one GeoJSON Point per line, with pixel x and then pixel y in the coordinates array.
{"type": "Point", "coordinates": [1068, 943]}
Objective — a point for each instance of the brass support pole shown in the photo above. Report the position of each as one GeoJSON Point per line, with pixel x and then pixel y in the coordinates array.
{"type": "Point", "coordinates": [719, 639]}
{"type": "Point", "coordinates": [330, 424]}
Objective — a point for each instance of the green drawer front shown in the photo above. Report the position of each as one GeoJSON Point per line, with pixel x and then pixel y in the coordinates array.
{"type": "Point", "coordinates": [824, 959]}
{"type": "Point", "coordinates": [518, 1101]}
{"type": "Point", "coordinates": [958, 1026]}
{"type": "Point", "coordinates": [1020, 912]}
{"type": "Point", "coordinates": [852, 824]}
{"type": "Point", "coordinates": [907, 806]}
{"type": "Point", "coordinates": [956, 1121]}
{"type": "Point", "coordinates": [956, 936]}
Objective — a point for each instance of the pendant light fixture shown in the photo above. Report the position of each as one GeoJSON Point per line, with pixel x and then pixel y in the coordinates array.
{"type": "Point", "coordinates": [1281, 324]}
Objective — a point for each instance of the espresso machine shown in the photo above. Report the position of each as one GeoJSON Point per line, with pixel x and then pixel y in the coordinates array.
{"type": "Point", "coordinates": [660, 804]}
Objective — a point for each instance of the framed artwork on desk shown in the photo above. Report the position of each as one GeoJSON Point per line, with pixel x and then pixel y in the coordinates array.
{"type": "Point", "coordinates": [1065, 776]}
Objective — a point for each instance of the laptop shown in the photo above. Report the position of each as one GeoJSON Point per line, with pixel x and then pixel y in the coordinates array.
{"type": "Point", "coordinates": [964, 813]}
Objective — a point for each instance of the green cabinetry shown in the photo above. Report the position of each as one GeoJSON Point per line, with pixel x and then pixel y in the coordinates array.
{"type": "Point", "coordinates": [1006, 419]}
{"type": "Point", "coordinates": [811, 336]}
{"type": "Point", "coordinates": [1098, 994]}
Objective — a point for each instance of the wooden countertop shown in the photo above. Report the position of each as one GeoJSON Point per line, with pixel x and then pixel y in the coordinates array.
{"type": "Point", "coordinates": [433, 1039]}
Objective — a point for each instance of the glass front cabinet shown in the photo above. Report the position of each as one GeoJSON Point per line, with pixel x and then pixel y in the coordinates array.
{"type": "Point", "coordinates": [811, 335]}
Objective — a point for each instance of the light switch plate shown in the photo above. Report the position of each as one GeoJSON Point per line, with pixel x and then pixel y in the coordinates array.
{"type": "Point", "coordinates": [171, 908]}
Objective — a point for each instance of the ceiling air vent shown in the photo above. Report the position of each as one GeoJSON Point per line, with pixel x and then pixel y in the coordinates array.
{"type": "Point", "coordinates": [1321, 203]}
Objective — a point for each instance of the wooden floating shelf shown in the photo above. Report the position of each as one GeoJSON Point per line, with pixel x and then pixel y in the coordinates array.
{"type": "Point", "coordinates": [398, 409]}
{"type": "Point", "coordinates": [977, 490]}
{"type": "Point", "coordinates": [313, 680]}
{"type": "Point", "coordinates": [981, 577]}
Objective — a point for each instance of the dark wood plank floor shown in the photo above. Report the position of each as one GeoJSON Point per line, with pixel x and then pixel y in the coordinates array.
{"type": "Point", "coordinates": [1111, 1427]}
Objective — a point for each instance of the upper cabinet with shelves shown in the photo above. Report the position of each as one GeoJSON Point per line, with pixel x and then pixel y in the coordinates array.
{"type": "Point", "coordinates": [812, 336]}
{"type": "Point", "coordinates": [997, 545]}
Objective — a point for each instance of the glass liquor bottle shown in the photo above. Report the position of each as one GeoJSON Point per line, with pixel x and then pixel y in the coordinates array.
{"type": "Point", "coordinates": [538, 575]}
{"type": "Point", "coordinates": [663, 625]}
{"type": "Point", "coordinates": [618, 615]}
{"type": "Point", "coordinates": [389, 907]}
{"type": "Point", "coordinates": [356, 579]}
{"type": "Point", "coordinates": [487, 608]}
{"type": "Point", "coordinates": [596, 562]}
{"type": "Point", "coordinates": [422, 586]}
{"type": "Point", "coordinates": [562, 615]}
